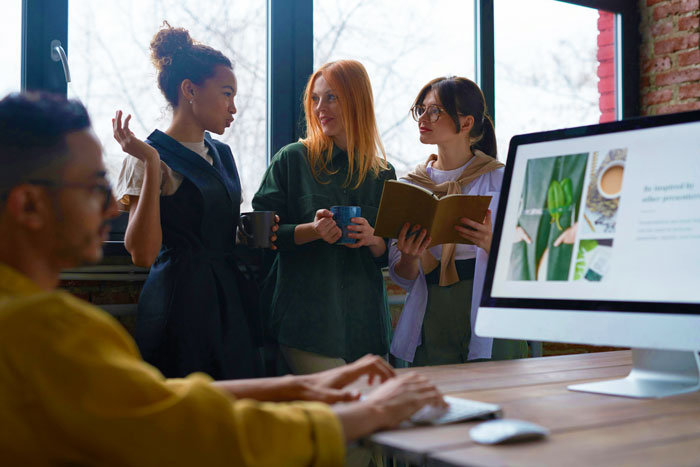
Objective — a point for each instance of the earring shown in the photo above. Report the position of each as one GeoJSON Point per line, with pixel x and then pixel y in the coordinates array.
{"type": "Point", "coordinates": [190, 101]}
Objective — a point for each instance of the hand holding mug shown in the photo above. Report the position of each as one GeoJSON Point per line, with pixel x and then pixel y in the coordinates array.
{"type": "Point", "coordinates": [343, 217]}
{"type": "Point", "coordinates": [274, 229]}
{"type": "Point", "coordinates": [362, 233]}
{"type": "Point", "coordinates": [325, 227]}
{"type": "Point", "coordinates": [258, 228]}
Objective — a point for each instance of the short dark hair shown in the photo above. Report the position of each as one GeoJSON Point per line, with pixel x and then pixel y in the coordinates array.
{"type": "Point", "coordinates": [178, 57]}
{"type": "Point", "coordinates": [33, 129]}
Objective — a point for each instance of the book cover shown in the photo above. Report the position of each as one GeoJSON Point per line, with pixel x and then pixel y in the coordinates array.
{"type": "Point", "coordinates": [404, 202]}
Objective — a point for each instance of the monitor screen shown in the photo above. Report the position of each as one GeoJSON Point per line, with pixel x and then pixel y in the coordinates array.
{"type": "Point", "coordinates": [601, 219]}
{"type": "Point", "coordinates": [597, 241]}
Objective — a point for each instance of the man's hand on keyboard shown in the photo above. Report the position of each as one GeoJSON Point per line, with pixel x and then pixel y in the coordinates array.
{"type": "Point", "coordinates": [400, 397]}
{"type": "Point", "coordinates": [459, 410]}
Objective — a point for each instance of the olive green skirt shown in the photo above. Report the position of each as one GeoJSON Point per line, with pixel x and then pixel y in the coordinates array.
{"type": "Point", "coordinates": [446, 329]}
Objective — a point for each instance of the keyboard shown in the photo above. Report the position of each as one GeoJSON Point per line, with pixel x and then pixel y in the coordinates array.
{"type": "Point", "coordinates": [459, 410]}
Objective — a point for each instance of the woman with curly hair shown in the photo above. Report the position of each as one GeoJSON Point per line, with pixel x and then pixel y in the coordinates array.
{"type": "Point", "coordinates": [182, 191]}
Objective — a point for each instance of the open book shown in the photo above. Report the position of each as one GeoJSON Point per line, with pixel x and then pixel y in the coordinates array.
{"type": "Point", "coordinates": [403, 202]}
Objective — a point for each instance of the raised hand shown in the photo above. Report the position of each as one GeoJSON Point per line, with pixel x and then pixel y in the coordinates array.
{"type": "Point", "coordinates": [129, 142]}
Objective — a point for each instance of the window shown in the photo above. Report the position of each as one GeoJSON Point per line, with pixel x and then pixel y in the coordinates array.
{"type": "Point", "coordinates": [403, 45]}
{"type": "Point", "coordinates": [111, 69]}
{"type": "Point", "coordinates": [547, 67]}
{"type": "Point", "coordinates": [11, 50]}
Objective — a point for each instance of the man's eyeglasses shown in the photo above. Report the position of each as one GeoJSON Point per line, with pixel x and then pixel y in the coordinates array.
{"type": "Point", "coordinates": [96, 189]}
{"type": "Point", "coordinates": [433, 112]}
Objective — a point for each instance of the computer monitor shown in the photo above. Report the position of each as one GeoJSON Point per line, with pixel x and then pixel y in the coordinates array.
{"type": "Point", "coordinates": [597, 241]}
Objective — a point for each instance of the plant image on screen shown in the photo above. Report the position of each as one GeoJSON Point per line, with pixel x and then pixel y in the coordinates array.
{"type": "Point", "coordinates": [547, 226]}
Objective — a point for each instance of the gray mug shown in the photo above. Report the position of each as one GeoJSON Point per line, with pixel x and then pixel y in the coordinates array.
{"type": "Point", "coordinates": [256, 227]}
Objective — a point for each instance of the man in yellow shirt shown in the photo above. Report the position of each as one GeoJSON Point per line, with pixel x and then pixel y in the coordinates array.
{"type": "Point", "coordinates": [73, 388]}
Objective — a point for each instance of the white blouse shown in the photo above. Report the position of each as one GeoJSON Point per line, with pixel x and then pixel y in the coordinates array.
{"type": "Point", "coordinates": [407, 335]}
{"type": "Point", "coordinates": [438, 176]}
{"type": "Point", "coordinates": [133, 169]}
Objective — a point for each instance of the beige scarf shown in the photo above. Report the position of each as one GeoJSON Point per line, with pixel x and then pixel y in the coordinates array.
{"type": "Point", "coordinates": [482, 164]}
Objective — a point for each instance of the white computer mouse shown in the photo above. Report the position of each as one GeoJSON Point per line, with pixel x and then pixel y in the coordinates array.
{"type": "Point", "coordinates": [505, 430]}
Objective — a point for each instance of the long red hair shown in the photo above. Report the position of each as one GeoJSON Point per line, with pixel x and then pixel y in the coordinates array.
{"type": "Point", "coordinates": [350, 83]}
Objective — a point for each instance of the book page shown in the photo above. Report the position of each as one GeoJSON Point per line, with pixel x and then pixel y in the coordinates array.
{"type": "Point", "coordinates": [450, 209]}
{"type": "Point", "coordinates": [401, 203]}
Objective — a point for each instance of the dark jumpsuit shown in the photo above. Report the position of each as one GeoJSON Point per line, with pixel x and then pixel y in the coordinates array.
{"type": "Point", "coordinates": [190, 317]}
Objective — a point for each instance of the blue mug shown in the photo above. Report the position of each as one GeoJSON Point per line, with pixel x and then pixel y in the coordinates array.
{"type": "Point", "coordinates": [342, 216]}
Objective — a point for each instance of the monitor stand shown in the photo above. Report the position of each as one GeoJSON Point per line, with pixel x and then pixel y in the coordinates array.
{"type": "Point", "coordinates": [655, 373]}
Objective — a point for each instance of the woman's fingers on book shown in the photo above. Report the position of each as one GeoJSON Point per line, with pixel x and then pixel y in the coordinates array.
{"type": "Point", "coordinates": [413, 242]}
{"type": "Point", "coordinates": [403, 231]}
{"type": "Point", "coordinates": [481, 237]}
{"type": "Point", "coordinates": [487, 219]}
{"type": "Point", "coordinates": [470, 224]}
{"type": "Point", "coordinates": [414, 233]}
{"type": "Point", "coordinates": [409, 231]}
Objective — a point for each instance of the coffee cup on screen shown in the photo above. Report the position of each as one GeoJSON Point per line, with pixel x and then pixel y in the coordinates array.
{"type": "Point", "coordinates": [610, 179]}
{"type": "Point", "coordinates": [342, 216]}
{"type": "Point", "coordinates": [256, 227]}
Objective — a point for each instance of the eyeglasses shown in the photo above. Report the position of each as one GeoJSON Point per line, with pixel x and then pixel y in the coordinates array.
{"type": "Point", "coordinates": [96, 189]}
{"type": "Point", "coordinates": [433, 111]}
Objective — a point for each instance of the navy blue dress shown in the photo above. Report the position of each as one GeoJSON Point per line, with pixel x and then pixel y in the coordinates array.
{"type": "Point", "coordinates": [190, 317]}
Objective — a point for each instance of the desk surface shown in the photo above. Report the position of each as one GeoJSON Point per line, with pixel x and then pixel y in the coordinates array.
{"type": "Point", "coordinates": [588, 429]}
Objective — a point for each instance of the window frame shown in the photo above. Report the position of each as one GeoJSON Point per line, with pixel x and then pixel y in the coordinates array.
{"type": "Point", "coordinates": [43, 21]}
{"type": "Point", "coordinates": [627, 40]}
{"type": "Point", "coordinates": [290, 56]}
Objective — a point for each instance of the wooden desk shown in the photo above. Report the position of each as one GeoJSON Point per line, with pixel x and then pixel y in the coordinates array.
{"type": "Point", "coordinates": [586, 429]}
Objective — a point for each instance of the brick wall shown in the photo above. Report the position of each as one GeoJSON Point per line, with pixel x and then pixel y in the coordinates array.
{"type": "Point", "coordinates": [670, 56]}
{"type": "Point", "coordinates": [606, 65]}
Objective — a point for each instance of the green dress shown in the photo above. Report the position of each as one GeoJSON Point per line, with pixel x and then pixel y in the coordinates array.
{"type": "Point", "coordinates": [326, 299]}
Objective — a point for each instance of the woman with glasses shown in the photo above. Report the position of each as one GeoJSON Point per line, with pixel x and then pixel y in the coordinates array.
{"type": "Point", "coordinates": [444, 282]}
{"type": "Point", "coordinates": [183, 194]}
{"type": "Point", "coordinates": [328, 300]}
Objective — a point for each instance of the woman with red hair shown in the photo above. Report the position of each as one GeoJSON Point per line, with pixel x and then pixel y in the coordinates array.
{"type": "Point", "coordinates": [328, 300]}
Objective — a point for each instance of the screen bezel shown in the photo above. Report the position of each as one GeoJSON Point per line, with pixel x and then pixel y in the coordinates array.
{"type": "Point", "coordinates": [487, 300]}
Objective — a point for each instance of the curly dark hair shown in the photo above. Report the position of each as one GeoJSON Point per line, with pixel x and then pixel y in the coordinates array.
{"type": "Point", "coordinates": [178, 57]}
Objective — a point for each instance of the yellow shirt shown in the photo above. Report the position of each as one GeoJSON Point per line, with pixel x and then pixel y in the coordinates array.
{"type": "Point", "coordinates": [74, 391]}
